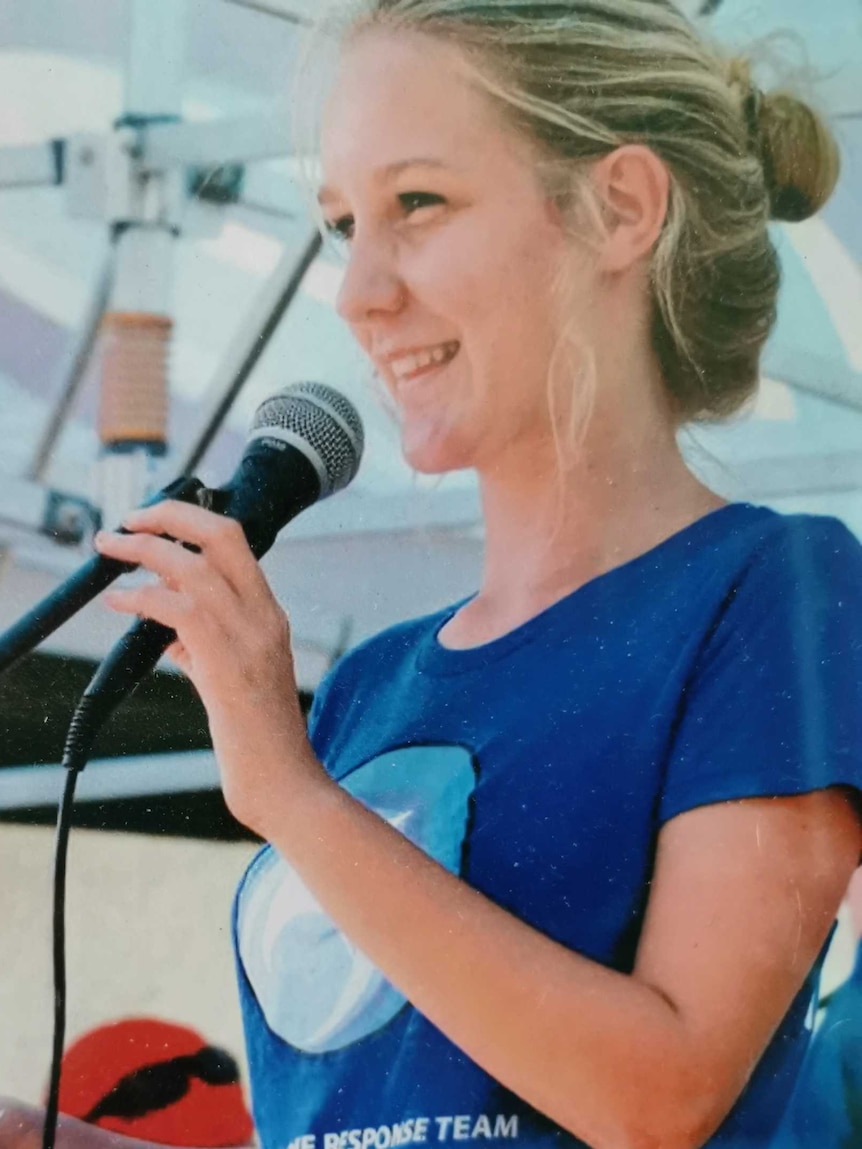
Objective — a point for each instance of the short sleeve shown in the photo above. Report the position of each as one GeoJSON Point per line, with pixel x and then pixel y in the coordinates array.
{"type": "Point", "coordinates": [318, 704]}
{"type": "Point", "coordinates": [320, 716]}
{"type": "Point", "coordinates": [774, 702]}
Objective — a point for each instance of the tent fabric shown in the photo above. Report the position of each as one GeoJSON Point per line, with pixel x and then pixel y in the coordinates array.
{"type": "Point", "coordinates": [799, 447]}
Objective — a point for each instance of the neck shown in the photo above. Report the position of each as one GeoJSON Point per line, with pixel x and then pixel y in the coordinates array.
{"type": "Point", "coordinates": [549, 530]}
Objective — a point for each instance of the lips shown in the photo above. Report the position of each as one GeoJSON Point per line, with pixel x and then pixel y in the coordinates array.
{"type": "Point", "coordinates": [411, 364]}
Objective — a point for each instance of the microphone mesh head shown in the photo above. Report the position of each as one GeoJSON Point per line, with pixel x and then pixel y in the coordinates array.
{"type": "Point", "coordinates": [323, 420]}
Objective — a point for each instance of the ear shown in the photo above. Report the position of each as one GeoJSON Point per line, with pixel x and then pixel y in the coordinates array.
{"type": "Point", "coordinates": [634, 186]}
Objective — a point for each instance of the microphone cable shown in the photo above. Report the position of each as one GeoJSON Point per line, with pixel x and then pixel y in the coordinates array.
{"type": "Point", "coordinates": [75, 756]}
{"type": "Point", "coordinates": [90, 714]}
{"type": "Point", "coordinates": [306, 443]}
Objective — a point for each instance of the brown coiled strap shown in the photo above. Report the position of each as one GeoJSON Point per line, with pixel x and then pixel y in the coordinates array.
{"type": "Point", "coordinates": [133, 406]}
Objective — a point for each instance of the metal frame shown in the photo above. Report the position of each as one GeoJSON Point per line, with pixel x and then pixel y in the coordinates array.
{"type": "Point", "coordinates": [279, 8]}
{"type": "Point", "coordinates": [249, 345]}
{"type": "Point", "coordinates": [235, 140]}
{"type": "Point", "coordinates": [32, 165]}
{"type": "Point", "coordinates": [73, 369]}
{"type": "Point", "coordinates": [151, 146]}
{"type": "Point", "coordinates": [30, 508]}
{"type": "Point", "coordinates": [132, 179]}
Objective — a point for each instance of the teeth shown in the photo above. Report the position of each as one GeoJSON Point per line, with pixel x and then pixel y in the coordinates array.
{"type": "Point", "coordinates": [420, 359]}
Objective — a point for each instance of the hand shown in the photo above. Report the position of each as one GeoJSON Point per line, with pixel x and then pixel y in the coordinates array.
{"type": "Point", "coordinates": [20, 1125]}
{"type": "Point", "coordinates": [233, 642]}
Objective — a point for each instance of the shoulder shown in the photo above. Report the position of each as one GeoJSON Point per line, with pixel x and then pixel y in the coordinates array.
{"type": "Point", "coordinates": [799, 568]}
{"type": "Point", "coordinates": [804, 581]}
{"type": "Point", "coordinates": [751, 539]}
{"type": "Point", "coordinates": [792, 604]}
{"type": "Point", "coordinates": [803, 545]}
{"type": "Point", "coordinates": [772, 703]}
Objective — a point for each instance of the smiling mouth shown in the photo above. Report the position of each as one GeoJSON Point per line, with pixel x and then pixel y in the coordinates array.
{"type": "Point", "coordinates": [423, 362]}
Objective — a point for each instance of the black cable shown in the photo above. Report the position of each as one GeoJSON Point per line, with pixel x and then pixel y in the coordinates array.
{"type": "Point", "coordinates": [274, 8]}
{"type": "Point", "coordinates": [217, 415]}
{"type": "Point", "coordinates": [79, 742]}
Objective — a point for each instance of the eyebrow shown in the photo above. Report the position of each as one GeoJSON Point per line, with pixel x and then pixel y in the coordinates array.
{"type": "Point", "coordinates": [390, 171]}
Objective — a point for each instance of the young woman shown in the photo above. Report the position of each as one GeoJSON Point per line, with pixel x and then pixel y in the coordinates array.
{"type": "Point", "coordinates": [557, 864]}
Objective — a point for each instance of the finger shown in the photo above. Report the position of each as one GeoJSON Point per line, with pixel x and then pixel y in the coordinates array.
{"type": "Point", "coordinates": [171, 562]}
{"type": "Point", "coordinates": [168, 607]}
{"type": "Point", "coordinates": [222, 538]}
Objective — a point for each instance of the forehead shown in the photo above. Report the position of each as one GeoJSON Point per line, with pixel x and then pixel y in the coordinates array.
{"type": "Point", "coordinates": [402, 95]}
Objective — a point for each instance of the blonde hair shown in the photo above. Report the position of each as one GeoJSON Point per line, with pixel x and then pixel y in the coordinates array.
{"type": "Point", "coordinates": [584, 77]}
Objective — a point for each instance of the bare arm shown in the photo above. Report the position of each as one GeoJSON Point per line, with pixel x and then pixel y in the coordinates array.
{"type": "Point", "coordinates": [743, 897]}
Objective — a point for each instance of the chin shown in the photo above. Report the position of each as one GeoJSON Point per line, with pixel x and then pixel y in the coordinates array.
{"type": "Point", "coordinates": [436, 458]}
{"type": "Point", "coordinates": [431, 464]}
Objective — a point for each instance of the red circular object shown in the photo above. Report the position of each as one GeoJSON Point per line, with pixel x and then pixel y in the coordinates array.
{"type": "Point", "coordinates": [208, 1115]}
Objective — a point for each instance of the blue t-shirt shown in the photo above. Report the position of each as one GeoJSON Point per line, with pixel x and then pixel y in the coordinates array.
{"type": "Point", "coordinates": [724, 663]}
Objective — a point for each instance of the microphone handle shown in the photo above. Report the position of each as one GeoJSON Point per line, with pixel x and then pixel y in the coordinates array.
{"type": "Point", "coordinates": [79, 588]}
{"type": "Point", "coordinates": [129, 660]}
{"type": "Point", "coordinates": [134, 655]}
{"type": "Point", "coordinates": [59, 606]}
{"type": "Point", "coordinates": [262, 501]}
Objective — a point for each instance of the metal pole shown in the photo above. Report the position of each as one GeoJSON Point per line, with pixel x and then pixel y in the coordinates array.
{"type": "Point", "coordinates": [274, 8]}
{"type": "Point", "coordinates": [73, 369]}
{"type": "Point", "coordinates": [255, 334]}
{"type": "Point", "coordinates": [137, 326]}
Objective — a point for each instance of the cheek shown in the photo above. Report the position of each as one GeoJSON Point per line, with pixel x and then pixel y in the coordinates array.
{"type": "Point", "coordinates": [494, 287]}
{"type": "Point", "coordinates": [449, 277]}
{"type": "Point", "coordinates": [512, 273]}
{"type": "Point", "coordinates": [477, 264]}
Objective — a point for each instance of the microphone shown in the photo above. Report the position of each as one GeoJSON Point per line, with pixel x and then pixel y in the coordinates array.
{"type": "Point", "coordinates": [305, 444]}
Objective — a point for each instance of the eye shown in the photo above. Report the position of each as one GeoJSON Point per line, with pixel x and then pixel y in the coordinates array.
{"type": "Point", "coordinates": [341, 228]}
{"type": "Point", "coordinates": [413, 201]}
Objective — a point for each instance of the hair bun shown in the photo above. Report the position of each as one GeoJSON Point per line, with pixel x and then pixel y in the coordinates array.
{"type": "Point", "coordinates": [801, 161]}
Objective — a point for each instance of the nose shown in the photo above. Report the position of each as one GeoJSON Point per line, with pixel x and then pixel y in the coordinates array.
{"type": "Point", "coordinates": [371, 284]}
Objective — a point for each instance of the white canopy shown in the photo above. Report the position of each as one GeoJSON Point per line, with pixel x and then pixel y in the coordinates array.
{"type": "Point", "coordinates": [393, 545]}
